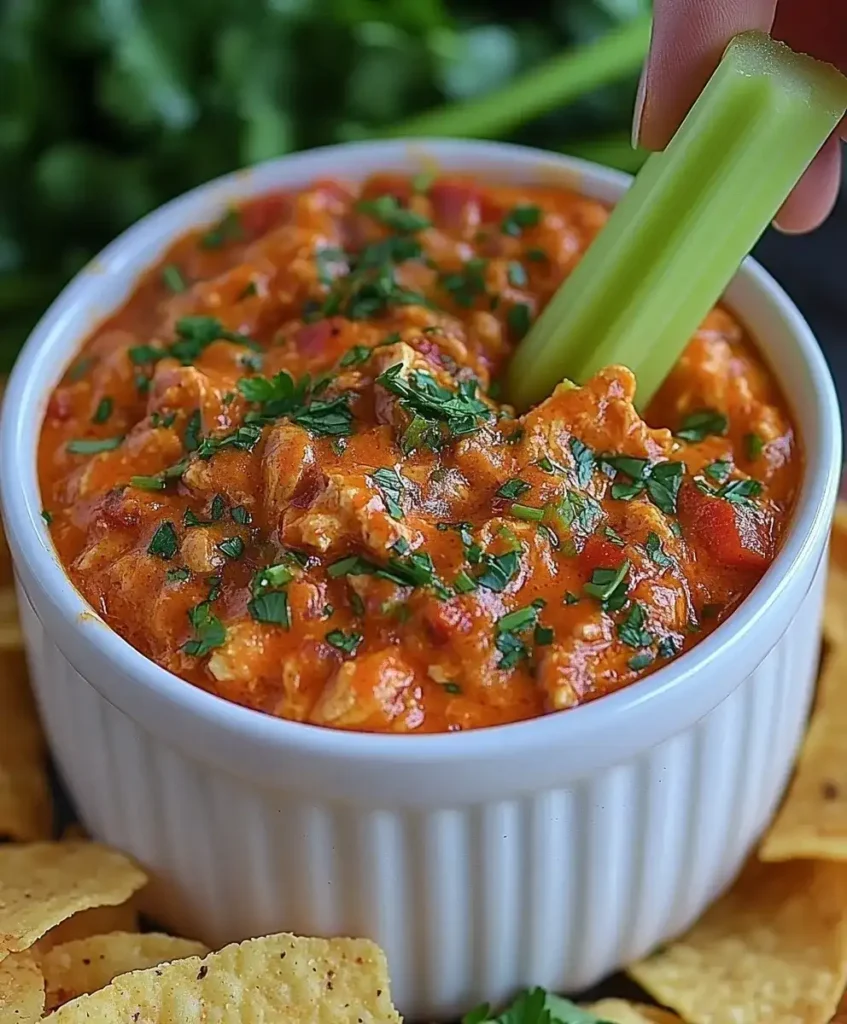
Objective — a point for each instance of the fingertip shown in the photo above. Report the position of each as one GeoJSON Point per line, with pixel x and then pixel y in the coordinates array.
{"type": "Point", "coordinates": [815, 194]}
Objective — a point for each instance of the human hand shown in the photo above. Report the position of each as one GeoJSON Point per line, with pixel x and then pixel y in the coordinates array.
{"type": "Point", "coordinates": [689, 37]}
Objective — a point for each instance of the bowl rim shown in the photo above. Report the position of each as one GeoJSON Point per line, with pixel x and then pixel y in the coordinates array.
{"type": "Point", "coordinates": [30, 540]}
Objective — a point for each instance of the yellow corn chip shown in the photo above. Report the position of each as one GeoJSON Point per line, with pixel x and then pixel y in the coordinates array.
{"type": "Point", "coordinates": [42, 884]}
{"type": "Point", "coordinates": [835, 609]}
{"type": "Point", "coordinates": [278, 978]}
{"type": "Point", "coordinates": [21, 990]}
{"type": "Point", "coordinates": [812, 821]}
{"type": "Point", "coordinates": [25, 808]}
{"type": "Point", "coordinates": [619, 1011]}
{"type": "Point", "coordinates": [97, 921]}
{"type": "Point", "coordinates": [773, 950]}
{"type": "Point", "coordinates": [11, 638]}
{"type": "Point", "coordinates": [86, 965]}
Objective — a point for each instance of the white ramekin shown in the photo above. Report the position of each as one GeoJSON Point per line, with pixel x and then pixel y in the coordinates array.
{"type": "Point", "coordinates": [547, 852]}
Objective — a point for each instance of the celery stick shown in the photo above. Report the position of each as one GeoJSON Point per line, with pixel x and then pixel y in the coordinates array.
{"type": "Point", "coordinates": [693, 213]}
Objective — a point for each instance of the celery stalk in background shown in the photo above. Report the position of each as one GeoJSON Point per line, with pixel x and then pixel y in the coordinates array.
{"type": "Point", "coordinates": [693, 213]}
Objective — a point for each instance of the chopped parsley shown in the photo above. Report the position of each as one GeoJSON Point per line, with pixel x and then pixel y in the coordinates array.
{"type": "Point", "coordinates": [191, 438]}
{"type": "Point", "coordinates": [173, 279]}
{"type": "Point", "coordinates": [528, 513]}
{"type": "Point", "coordinates": [516, 274]}
{"type": "Point", "coordinates": [753, 446]}
{"type": "Point", "coordinates": [611, 534]}
{"type": "Point", "coordinates": [177, 575]}
{"type": "Point", "coordinates": [513, 488]}
{"type": "Point", "coordinates": [467, 284]}
{"type": "Point", "coordinates": [519, 319]}
{"type": "Point", "coordinates": [245, 438]}
{"type": "Point", "coordinates": [355, 355]}
{"type": "Point", "coordinates": [280, 396]}
{"type": "Point", "coordinates": [570, 598]}
{"type": "Point", "coordinates": [632, 630]}
{"type": "Point", "coordinates": [451, 688]}
{"type": "Point", "coordinates": [661, 480]}
{"type": "Point", "coordinates": [240, 515]}
{"type": "Point", "coordinates": [609, 586]}
{"type": "Point", "coordinates": [228, 229]}
{"type": "Point", "coordinates": [164, 543]}
{"type": "Point", "coordinates": [390, 485]}
{"type": "Point", "coordinates": [194, 334]}
{"type": "Point", "coordinates": [232, 547]}
{"type": "Point", "coordinates": [47, 516]}
{"type": "Point", "coordinates": [739, 492]}
{"type": "Point", "coordinates": [347, 643]}
{"type": "Point", "coordinates": [94, 445]}
{"type": "Point", "coordinates": [433, 407]}
{"type": "Point", "coordinates": [79, 369]}
{"type": "Point", "coordinates": [640, 661]}
{"type": "Point", "coordinates": [158, 420]}
{"type": "Point", "coordinates": [415, 570]}
{"type": "Point", "coordinates": [508, 642]}
{"type": "Point", "coordinates": [656, 552]}
{"type": "Point", "coordinates": [543, 636]}
{"type": "Point", "coordinates": [498, 570]}
{"type": "Point", "coordinates": [209, 631]}
{"type": "Point", "coordinates": [699, 425]}
{"type": "Point", "coordinates": [270, 608]}
{"type": "Point", "coordinates": [160, 481]}
{"type": "Point", "coordinates": [519, 217]}
{"type": "Point", "coordinates": [103, 410]}
{"type": "Point", "coordinates": [584, 461]}
{"type": "Point", "coordinates": [464, 584]}
{"type": "Point", "coordinates": [388, 211]}
{"type": "Point", "coordinates": [668, 647]}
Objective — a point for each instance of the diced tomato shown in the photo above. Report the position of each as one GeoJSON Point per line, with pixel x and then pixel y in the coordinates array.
{"type": "Point", "coordinates": [735, 535]}
{"type": "Point", "coordinates": [599, 553]}
{"type": "Point", "coordinates": [257, 218]}
{"type": "Point", "coordinates": [454, 205]}
{"type": "Point", "coordinates": [60, 406]}
{"type": "Point", "coordinates": [312, 339]}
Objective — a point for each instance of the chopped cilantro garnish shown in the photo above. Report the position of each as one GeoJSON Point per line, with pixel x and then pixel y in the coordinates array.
{"type": "Point", "coordinates": [467, 284]}
{"type": "Point", "coordinates": [498, 570]}
{"type": "Point", "coordinates": [640, 660]}
{"type": "Point", "coordinates": [753, 446]}
{"type": "Point", "coordinates": [271, 577]}
{"type": "Point", "coordinates": [158, 420]}
{"type": "Point", "coordinates": [209, 631]}
{"type": "Point", "coordinates": [632, 630]}
{"type": "Point", "coordinates": [668, 646]}
{"type": "Point", "coordinates": [348, 643]}
{"type": "Point", "coordinates": [612, 534]}
{"type": "Point", "coordinates": [699, 425]}
{"type": "Point", "coordinates": [464, 584]}
{"type": "Point", "coordinates": [584, 461]}
{"type": "Point", "coordinates": [570, 598]}
{"type": "Point", "coordinates": [460, 411]}
{"type": "Point", "coordinates": [663, 485]}
{"type": "Point", "coordinates": [719, 470]}
{"type": "Point", "coordinates": [103, 410]}
{"type": "Point", "coordinates": [656, 552]}
{"type": "Point", "coordinates": [191, 438]}
{"type": "Point", "coordinates": [232, 547]}
{"type": "Point", "coordinates": [522, 216]}
{"type": "Point", "coordinates": [388, 211]}
{"type": "Point", "coordinates": [228, 229]}
{"type": "Point", "coordinates": [527, 512]}
{"type": "Point", "coordinates": [80, 368]}
{"type": "Point", "coordinates": [177, 575]}
{"type": "Point", "coordinates": [609, 586]}
{"type": "Point", "coordinates": [544, 636]}
{"type": "Point", "coordinates": [355, 355]}
{"type": "Point", "coordinates": [249, 290]}
{"type": "Point", "coordinates": [739, 492]}
{"type": "Point", "coordinates": [245, 438]}
{"type": "Point", "coordinates": [240, 515]}
{"type": "Point", "coordinates": [94, 445]}
{"type": "Point", "coordinates": [164, 543]}
{"type": "Point", "coordinates": [148, 483]}
{"type": "Point", "coordinates": [270, 608]}
{"type": "Point", "coordinates": [507, 642]}
{"type": "Point", "coordinates": [412, 571]}
{"type": "Point", "coordinates": [513, 488]}
{"type": "Point", "coordinates": [390, 485]}
{"type": "Point", "coordinates": [280, 396]}
{"type": "Point", "coordinates": [537, 256]}
{"type": "Point", "coordinates": [517, 274]}
{"type": "Point", "coordinates": [400, 546]}
{"type": "Point", "coordinates": [47, 516]}
{"type": "Point", "coordinates": [451, 688]}
{"type": "Point", "coordinates": [173, 279]}
{"type": "Point", "coordinates": [519, 320]}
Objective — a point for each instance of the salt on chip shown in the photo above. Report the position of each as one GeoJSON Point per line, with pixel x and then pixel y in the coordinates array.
{"type": "Point", "coordinates": [86, 965]}
{"type": "Point", "coordinates": [773, 949]}
{"type": "Point", "coordinates": [21, 990]}
{"type": "Point", "coordinates": [276, 978]}
{"type": "Point", "coordinates": [812, 821]}
{"type": "Point", "coordinates": [619, 1011]}
{"type": "Point", "coordinates": [835, 607]}
{"type": "Point", "coordinates": [25, 804]}
{"type": "Point", "coordinates": [42, 884]}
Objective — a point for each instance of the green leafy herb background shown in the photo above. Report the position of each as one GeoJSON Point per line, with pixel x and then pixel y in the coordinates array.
{"type": "Point", "coordinates": [110, 107]}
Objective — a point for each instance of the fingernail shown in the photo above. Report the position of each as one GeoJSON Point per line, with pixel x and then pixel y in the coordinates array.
{"type": "Point", "coordinates": [640, 97]}
{"type": "Point", "coordinates": [787, 231]}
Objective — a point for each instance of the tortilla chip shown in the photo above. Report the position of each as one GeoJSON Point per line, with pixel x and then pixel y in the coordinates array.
{"type": "Point", "coordinates": [277, 978]}
{"type": "Point", "coordinates": [97, 921]}
{"type": "Point", "coordinates": [42, 884]}
{"type": "Point", "coordinates": [21, 990]}
{"type": "Point", "coordinates": [812, 821]}
{"type": "Point", "coordinates": [11, 638]}
{"type": "Point", "coordinates": [619, 1011]}
{"type": "Point", "coordinates": [86, 965]}
{"type": "Point", "coordinates": [25, 806]}
{"type": "Point", "coordinates": [773, 949]}
{"type": "Point", "coordinates": [835, 608]}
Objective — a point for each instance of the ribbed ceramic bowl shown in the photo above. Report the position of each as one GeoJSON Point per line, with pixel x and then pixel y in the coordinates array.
{"type": "Point", "coordinates": [547, 852]}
